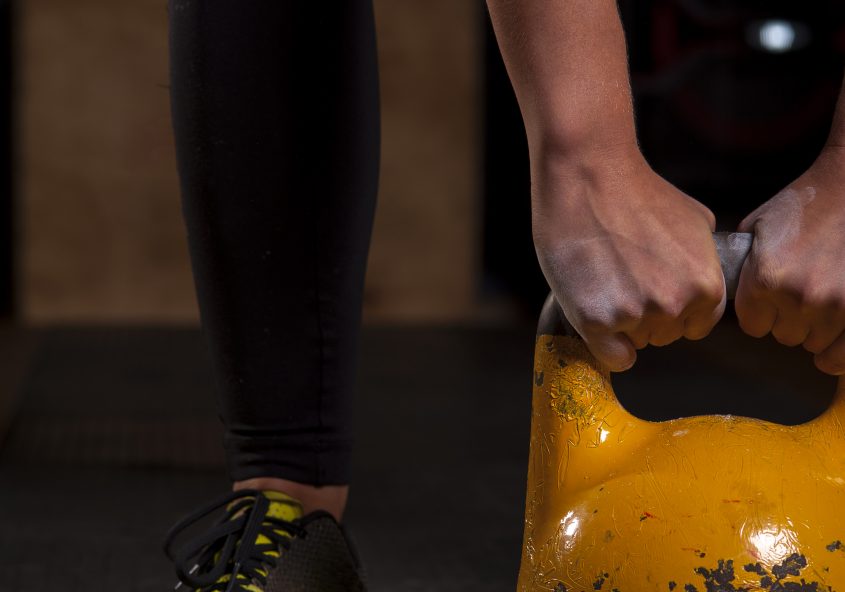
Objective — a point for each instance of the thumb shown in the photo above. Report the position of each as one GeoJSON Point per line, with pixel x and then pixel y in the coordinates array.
{"type": "Point", "coordinates": [614, 351]}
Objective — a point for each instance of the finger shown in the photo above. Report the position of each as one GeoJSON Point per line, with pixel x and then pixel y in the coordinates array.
{"type": "Point", "coordinates": [638, 337]}
{"type": "Point", "coordinates": [656, 328]}
{"type": "Point", "coordinates": [832, 359]}
{"type": "Point", "coordinates": [615, 351]}
{"type": "Point", "coordinates": [789, 328]}
{"type": "Point", "coordinates": [699, 322]}
{"type": "Point", "coordinates": [667, 332]}
{"type": "Point", "coordinates": [756, 315]}
{"type": "Point", "coordinates": [822, 334]}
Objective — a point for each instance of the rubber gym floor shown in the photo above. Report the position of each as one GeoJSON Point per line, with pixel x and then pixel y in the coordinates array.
{"type": "Point", "coordinates": [110, 434]}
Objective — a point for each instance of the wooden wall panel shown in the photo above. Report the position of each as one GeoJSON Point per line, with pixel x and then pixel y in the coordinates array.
{"type": "Point", "coordinates": [101, 231]}
{"type": "Point", "coordinates": [426, 242]}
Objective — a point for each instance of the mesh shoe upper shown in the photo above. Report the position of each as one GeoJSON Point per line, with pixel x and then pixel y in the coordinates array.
{"type": "Point", "coordinates": [263, 544]}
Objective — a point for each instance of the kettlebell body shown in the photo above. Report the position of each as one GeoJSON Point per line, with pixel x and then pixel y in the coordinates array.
{"type": "Point", "coordinates": [709, 503]}
{"type": "Point", "coordinates": [699, 504]}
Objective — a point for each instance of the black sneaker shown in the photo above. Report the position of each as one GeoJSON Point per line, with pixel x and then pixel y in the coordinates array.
{"type": "Point", "coordinates": [263, 543]}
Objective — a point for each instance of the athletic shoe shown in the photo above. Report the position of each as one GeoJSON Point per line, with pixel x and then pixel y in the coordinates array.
{"type": "Point", "coordinates": [263, 543]}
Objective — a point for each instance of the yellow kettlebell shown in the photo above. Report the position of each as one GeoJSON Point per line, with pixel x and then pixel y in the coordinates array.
{"type": "Point", "coordinates": [714, 503]}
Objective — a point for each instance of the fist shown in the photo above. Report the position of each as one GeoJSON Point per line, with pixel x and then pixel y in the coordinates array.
{"type": "Point", "coordinates": [793, 283]}
{"type": "Point", "coordinates": [630, 259]}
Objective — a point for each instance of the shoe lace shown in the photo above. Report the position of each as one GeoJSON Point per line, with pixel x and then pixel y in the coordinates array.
{"type": "Point", "coordinates": [228, 557]}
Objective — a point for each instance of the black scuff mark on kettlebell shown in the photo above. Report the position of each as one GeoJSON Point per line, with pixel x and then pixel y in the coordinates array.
{"type": "Point", "coordinates": [599, 583]}
{"type": "Point", "coordinates": [722, 577]}
{"type": "Point", "coordinates": [560, 587]}
{"type": "Point", "coordinates": [791, 566]}
{"type": "Point", "coordinates": [539, 377]}
{"type": "Point", "coordinates": [672, 585]}
{"type": "Point", "coordinates": [756, 568]}
{"type": "Point", "coordinates": [719, 579]}
{"type": "Point", "coordinates": [834, 546]}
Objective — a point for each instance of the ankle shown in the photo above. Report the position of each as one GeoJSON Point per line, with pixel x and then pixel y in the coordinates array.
{"type": "Point", "coordinates": [331, 498]}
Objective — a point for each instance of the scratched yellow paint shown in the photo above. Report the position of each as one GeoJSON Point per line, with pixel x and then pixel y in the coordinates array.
{"type": "Point", "coordinates": [711, 503]}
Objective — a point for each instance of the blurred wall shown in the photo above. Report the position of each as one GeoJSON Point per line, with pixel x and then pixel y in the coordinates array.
{"type": "Point", "coordinates": [101, 235]}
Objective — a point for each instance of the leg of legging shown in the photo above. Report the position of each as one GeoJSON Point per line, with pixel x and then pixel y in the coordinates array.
{"type": "Point", "coordinates": [275, 113]}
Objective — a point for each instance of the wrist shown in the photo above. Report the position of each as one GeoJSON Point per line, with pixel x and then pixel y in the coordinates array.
{"type": "Point", "coordinates": [592, 164]}
{"type": "Point", "coordinates": [582, 140]}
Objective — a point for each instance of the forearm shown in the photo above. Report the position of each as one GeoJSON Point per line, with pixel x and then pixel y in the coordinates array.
{"type": "Point", "coordinates": [568, 64]}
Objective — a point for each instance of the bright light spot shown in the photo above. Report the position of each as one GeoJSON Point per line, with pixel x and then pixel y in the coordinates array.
{"type": "Point", "coordinates": [568, 533]}
{"type": "Point", "coordinates": [603, 435]}
{"type": "Point", "coordinates": [773, 545]}
{"type": "Point", "coordinates": [777, 36]}
{"type": "Point", "coordinates": [569, 523]}
{"type": "Point", "coordinates": [572, 527]}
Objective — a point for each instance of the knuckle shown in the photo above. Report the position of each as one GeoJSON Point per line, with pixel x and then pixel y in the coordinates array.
{"type": "Point", "coordinates": [675, 308]}
{"type": "Point", "coordinates": [593, 318]}
{"type": "Point", "coordinates": [666, 306]}
{"type": "Point", "coordinates": [607, 318]}
{"type": "Point", "coordinates": [627, 314]}
{"type": "Point", "coordinates": [710, 287]}
{"type": "Point", "coordinates": [816, 297]}
{"type": "Point", "coordinates": [811, 299]}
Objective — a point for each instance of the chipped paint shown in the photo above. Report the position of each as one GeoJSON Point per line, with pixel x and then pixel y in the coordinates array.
{"type": "Point", "coordinates": [646, 505]}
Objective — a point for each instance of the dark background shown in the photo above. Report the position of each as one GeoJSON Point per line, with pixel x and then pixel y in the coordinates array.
{"type": "Point", "coordinates": [7, 210]}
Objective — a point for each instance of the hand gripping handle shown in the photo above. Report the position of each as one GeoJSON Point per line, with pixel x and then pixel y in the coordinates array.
{"type": "Point", "coordinates": [732, 248]}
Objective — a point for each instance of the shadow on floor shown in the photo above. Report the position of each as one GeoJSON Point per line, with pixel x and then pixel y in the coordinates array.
{"type": "Point", "coordinates": [115, 435]}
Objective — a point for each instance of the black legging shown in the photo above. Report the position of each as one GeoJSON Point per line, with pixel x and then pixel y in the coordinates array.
{"type": "Point", "coordinates": [275, 113]}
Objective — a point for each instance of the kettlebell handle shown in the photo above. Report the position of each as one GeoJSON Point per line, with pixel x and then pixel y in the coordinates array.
{"type": "Point", "coordinates": [732, 248]}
